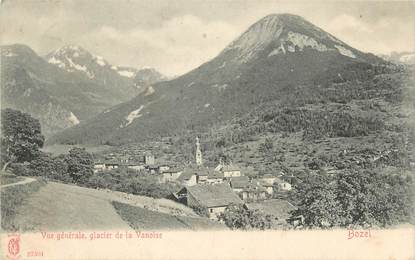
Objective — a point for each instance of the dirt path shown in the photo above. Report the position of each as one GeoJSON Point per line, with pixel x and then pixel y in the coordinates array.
{"type": "Point", "coordinates": [25, 181]}
{"type": "Point", "coordinates": [65, 207]}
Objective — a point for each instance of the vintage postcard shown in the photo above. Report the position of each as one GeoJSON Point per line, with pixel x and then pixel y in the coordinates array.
{"type": "Point", "coordinates": [190, 129]}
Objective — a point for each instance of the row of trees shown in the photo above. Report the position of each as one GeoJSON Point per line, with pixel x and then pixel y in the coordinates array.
{"type": "Point", "coordinates": [21, 143]}
{"type": "Point", "coordinates": [132, 182]}
{"type": "Point", "coordinates": [75, 167]}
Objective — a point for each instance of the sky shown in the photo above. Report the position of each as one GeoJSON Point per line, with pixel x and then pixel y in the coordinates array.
{"type": "Point", "coordinates": [178, 35]}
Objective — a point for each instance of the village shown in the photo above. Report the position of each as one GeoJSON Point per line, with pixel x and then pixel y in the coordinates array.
{"type": "Point", "coordinates": [212, 188]}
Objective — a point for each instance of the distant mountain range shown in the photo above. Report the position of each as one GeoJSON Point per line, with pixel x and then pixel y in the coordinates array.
{"type": "Point", "coordinates": [407, 58]}
{"type": "Point", "coordinates": [273, 56]}
{"type": "Point", "coordinates": [67, 86]}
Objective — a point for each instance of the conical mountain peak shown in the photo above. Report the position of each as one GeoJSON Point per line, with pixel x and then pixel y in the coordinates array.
{"type": "Point", "coordinates": [284, 34]}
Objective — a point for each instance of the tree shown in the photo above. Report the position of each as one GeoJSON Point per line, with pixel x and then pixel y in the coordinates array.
{"type": "Point", "coordinates": [318, 202]}
{"type": "Point", "coordinates": [52, 167]}
{"type": "Point", "coordinates": [369, 197]}
{"type": "Point", "coordinates": [238, 217]}
{"type": "Point", "coordinates": [21, 137]}
{"type": "Point", "coordinates": [267, 146]}
{"type": "Point", "coordinates": [80, 165]}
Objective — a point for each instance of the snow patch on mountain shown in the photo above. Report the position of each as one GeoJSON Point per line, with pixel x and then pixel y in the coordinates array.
{"type": "Point", "coordinates": [76, 66]}
{"type": "Point", "coordinates": [100, 61]}
{"type": "Point", "coordinates": [120, 71]}
{"type": "Point", "coordinates": [150, 90]}
{"type": "Point", "coordinates": [301, 41]}
{"type": "Point", "coordinates": [278, 50]}
{"type": "Point", "coordinates": [344, 51]}
{"type": "Point", "coordinates": [73, 119]}
{"type": "Point", "coordinates": [80, 68]}
{"type": "Point", "coordinates": [132, 115]}
{"type": "Point", "coordinates": [55, 61]}
{"type": "Point", "coordinates": [126, 73]}
{"type": "Point", "coordinates": [297, 41]}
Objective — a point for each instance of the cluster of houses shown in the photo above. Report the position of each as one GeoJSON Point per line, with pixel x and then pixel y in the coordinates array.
{"type": "Point", "coordinates": [210, 188]}
{"type": "Point", "coordinates": [216, 189]}
{"type": "Point", "coordinates": [112, 163]}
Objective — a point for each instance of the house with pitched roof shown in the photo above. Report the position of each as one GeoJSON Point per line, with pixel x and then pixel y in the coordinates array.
{"type": "Point", "coordinates": [215, 198]}
{"type": "Point", "coordinates": [268, 178]}
{"type": "Point", "coordinates": [215, 177]}
{"type": "Point", "coordinates": [99, 166]}
{"type": "Point", "coordinates": [112, 164]}
{"type": "Point", "coordinates": [282, 185]}
{"type": "Point", "coordinates": [267, 185]}
{"type": "Point", "coordinates": [194, 175]}
{"type": "Point", "coordinates": [228, 170]}
{"type": "Point", "coordinates": [187, 178]}
{"type": "Point", "coordinates": [238, 184]}
{"type": "Point", "coordinates": [253, 192]}
{"type": "Point", "coordinates": [170, 175]}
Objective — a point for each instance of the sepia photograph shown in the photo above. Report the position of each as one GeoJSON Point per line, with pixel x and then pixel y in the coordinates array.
{"type": "Point", "coordinates": [189, 129]}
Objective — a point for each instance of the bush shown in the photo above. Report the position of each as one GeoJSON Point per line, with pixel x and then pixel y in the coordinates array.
{"type": "Point", "coordinates": [201, 211]}
{"type": "Point", "coordinates": [20, 169]}
{"type": "Point", "coordinates": [238, 217]}
{"type": "Point", "coordinates": [54, 168]}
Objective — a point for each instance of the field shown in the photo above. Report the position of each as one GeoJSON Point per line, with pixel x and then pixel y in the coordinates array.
{"type": "Point", "coordinates": [13, 199]}
{"type": "Point", "coordinates": [57, 206]}
{"type": "Point", "coordinates": [143, 219]}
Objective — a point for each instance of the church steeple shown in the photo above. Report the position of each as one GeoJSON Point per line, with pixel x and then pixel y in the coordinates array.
{"type": "Point", "coordinates": [198, 153]}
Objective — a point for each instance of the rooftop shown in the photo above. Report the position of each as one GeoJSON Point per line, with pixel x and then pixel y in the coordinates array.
{"type": "Point", "coordinates": [185, 176]}
{"type": "Point", "coordinates": [230, 168]}
{"type": "Point", "coordinates": [215, 175]}
{"type": "Point", "coordinates": [214, 195]}
{"type": "Point", "coordinates": [240, 182]}
{"type": "Point", "coordinates": [254, 188]}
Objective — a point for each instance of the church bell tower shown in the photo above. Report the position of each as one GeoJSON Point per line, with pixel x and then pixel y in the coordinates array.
{"type": "Point", "coordinates": [198, 153]}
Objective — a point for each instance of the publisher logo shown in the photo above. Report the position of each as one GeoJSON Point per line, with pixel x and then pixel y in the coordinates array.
{"type": "Point", "coordinates": [13, 246]}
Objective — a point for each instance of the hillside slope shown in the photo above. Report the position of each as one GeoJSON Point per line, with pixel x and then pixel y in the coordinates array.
{"type": "Point", "coordinates": [275, 55]}
{"type": "Point", "coordinates": [77, 208]}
